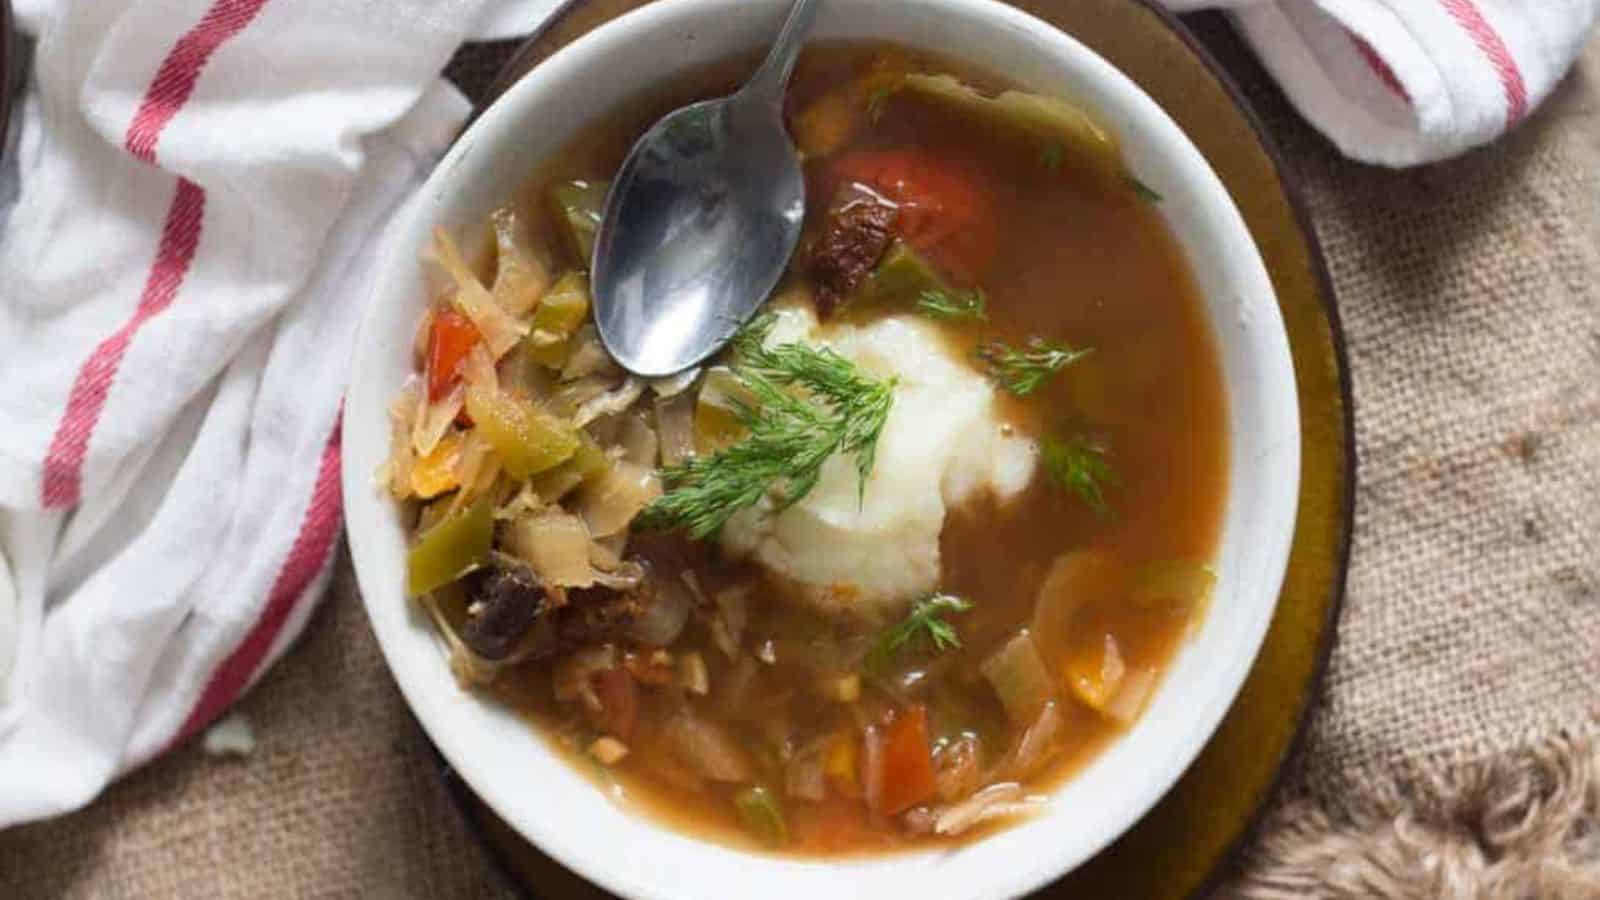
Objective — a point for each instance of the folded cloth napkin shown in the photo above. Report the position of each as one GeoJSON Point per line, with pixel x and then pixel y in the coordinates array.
{"type": "Point", "coordinates": [503, 19]}
{"type": "Point", "coordinates": [1403, 82]}
{"type": "Point", "coordinates": [201, 184]}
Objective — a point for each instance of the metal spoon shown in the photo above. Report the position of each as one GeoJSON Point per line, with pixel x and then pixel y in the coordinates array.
{"type": "Point", "coordinates": [701, 220]}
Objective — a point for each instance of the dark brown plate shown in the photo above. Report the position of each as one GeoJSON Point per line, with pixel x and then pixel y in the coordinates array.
{"type": "Point", "coordinates": [1185, 845]}
{"type": "Point", "coordinates": [8, 61]}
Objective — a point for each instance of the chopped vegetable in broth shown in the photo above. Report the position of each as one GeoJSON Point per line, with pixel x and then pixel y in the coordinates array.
{"type": "Point", "coordinates": [918, 544]}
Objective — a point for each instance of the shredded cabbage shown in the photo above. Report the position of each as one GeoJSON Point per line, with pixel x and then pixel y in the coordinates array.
{"type": "Point", "coordinates": [555, 544]}
{"type": "Point", "coordinates": [521, 277]}
{"type": "Point", "coordinates": [609, 503]}
{"type": "Point", "coordinates": [432, 420]}
{"type": "Point", "coordinates": [610, 403]}
{"type": "Point", "coordinates": [499, 329]}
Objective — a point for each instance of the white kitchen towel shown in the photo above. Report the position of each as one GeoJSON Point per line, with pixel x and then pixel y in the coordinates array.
{"type": "Point", "coordinates": [1404, 82]}
{"type": "Point", "coordinates": [503, 19]}
{"type": "Point", "coordinates": [201, 184]}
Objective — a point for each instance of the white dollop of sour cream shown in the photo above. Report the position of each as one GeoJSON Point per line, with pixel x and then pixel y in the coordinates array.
{"type": "Point", "coordinates": [869, 554]}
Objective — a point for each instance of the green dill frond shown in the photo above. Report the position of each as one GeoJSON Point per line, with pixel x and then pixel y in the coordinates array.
{"type": "Point", "coordinates": [806, 405]}
{"type": "Point", "coordinates": [1052, 156]}
{"type": "Point", "coordinates": [1141, 190]}
{"type": "Point", "coordinates": [954, 305]}
{"type": "Point", "coordinates": [1079, 466]}
{"type": "Point", "coordinates": [1023, 370]}
{"type": "Point", "coordinates": [924, 624]}
{"type": "Point", "coordinates": [877, 101]}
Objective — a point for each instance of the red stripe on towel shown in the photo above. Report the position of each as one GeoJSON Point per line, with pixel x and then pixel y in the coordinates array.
{"type": "Point", "coordinates": [180, 236]}
{"type": "Point", "coordinates": [180, 72]}
{"type": "Point", "coordinates": [319, 532]}
{"type": "Point", "coordinates": [1472, 21]}
{"type": "Point", "coordinates": [171, 88]}
{"type": "Point", "coordinates": [1378, 65]}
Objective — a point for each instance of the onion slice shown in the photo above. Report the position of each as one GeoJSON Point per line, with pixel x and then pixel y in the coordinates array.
{"type": "Point", "coordinates": [500, 331]}
{"type": "Point", "coordinates": [588, 357]}
{"type": "Point", "coordinates": [675, 427]}
{"type": "Point", "coordinates": [665, 612]}
{"type": "Point", "coordinates": [434, 419]}
{"type": "Point", "coordinates": [1018, 675]}
{"type": "Point", "coordinates": [555, 545]}
{"type": "Point", "coordinates": [872, 765]}
{"type": "Point", "coordinates": [994, 801]}
{"type": "Point", "coordinates": [395, 472]}
{"type": "Point", "coordinates": [521, 276]}
{"type": "Point", "coordinates": [610, 403]}
{"type": "Point", "coordinates": [956, 768]}
{"type": "Point", "coordinates": [1134, 695]}
{"type": "Point", "coordinates": [573, 677]}
{"type": "Point", "coordinates": [609, 502]}
{"type": "Point", "coordinates": [707, 747]}
{"type": "Point", "coordinates": [1074, 579]}
{"type": "Point", "coordinates": [638, 440]}
{"type": "Point", "coordinates": [1036, 745]}
{"type": "Point", "coordinates": [673, 385]}
{"type": "Point", "coordinates": [804, 775]}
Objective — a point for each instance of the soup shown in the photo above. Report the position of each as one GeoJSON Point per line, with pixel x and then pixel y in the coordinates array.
{"type": "Point", "coordinates": [916, 546]}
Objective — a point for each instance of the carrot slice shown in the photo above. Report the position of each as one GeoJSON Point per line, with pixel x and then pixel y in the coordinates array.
{"type": "Point", "coordinates": [908, 777]}
{"type": "Point", "coordinates": [946, 210]}
{"type": "Point", "coordinates": [449, 341]}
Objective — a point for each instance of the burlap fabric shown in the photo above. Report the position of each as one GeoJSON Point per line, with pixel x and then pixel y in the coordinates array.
{"type": "Point", "coordinates": [1449, 758]}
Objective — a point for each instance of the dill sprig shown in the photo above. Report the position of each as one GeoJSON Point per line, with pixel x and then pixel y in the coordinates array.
{"type": "Point", "coordinates": [925, 624]}
{"type": "Point", "coordinates": [1143, 191]}
{"type": "Point", "coordinates": [1079, 466]}
{"type": "Point", "coordinates": [1023, 370]}
{"type": "Point", "coordinates": [954, 305]}
{"type": "Point", "coordinates": [1052, 156]}
{"type": "Point", "coordinates": [805, 405]}
{"type": "Point", "coordinates": [877, 101]}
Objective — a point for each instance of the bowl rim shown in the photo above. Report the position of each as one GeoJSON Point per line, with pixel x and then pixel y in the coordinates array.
{"type": "Point", "coordinates": [1018, 17]}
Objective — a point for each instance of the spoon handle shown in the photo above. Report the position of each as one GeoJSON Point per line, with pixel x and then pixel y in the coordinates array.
{"type": "Point", "coordinates": [769, 82]}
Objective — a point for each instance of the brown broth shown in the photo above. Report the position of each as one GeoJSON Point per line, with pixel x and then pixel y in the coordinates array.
{"type": "Point", "coordinates": [1076, 262]}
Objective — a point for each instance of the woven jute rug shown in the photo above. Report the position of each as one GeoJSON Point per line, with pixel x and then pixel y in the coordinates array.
{"type": "Point", "coordinates": [1454, 755]}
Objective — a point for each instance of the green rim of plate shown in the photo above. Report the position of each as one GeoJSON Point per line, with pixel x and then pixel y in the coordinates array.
{"type": "Point", "coordinates": [1189, 843]}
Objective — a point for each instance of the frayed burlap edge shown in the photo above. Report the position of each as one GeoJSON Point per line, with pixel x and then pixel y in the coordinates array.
{"type": "Point", "coordinates": [1523, 825]}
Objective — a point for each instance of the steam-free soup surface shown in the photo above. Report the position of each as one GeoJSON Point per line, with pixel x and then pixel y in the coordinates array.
{"type": "Point", "coordinates": [825, 717]}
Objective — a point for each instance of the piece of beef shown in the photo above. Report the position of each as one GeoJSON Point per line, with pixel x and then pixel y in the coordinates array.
{"type": "Point", "coordinates": [594, 615]}
{"type": "Point", "coordinates": [859, 228]}
{"type": "Point", "coordinates": [506, 603]}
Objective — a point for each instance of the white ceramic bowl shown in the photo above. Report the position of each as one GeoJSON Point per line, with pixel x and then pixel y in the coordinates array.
{"type": "Point", "coordinates": [510, 766]}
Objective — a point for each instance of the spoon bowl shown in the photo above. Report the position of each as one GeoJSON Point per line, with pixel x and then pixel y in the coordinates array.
{"type": "Point", "coordinates": [701, 221]}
